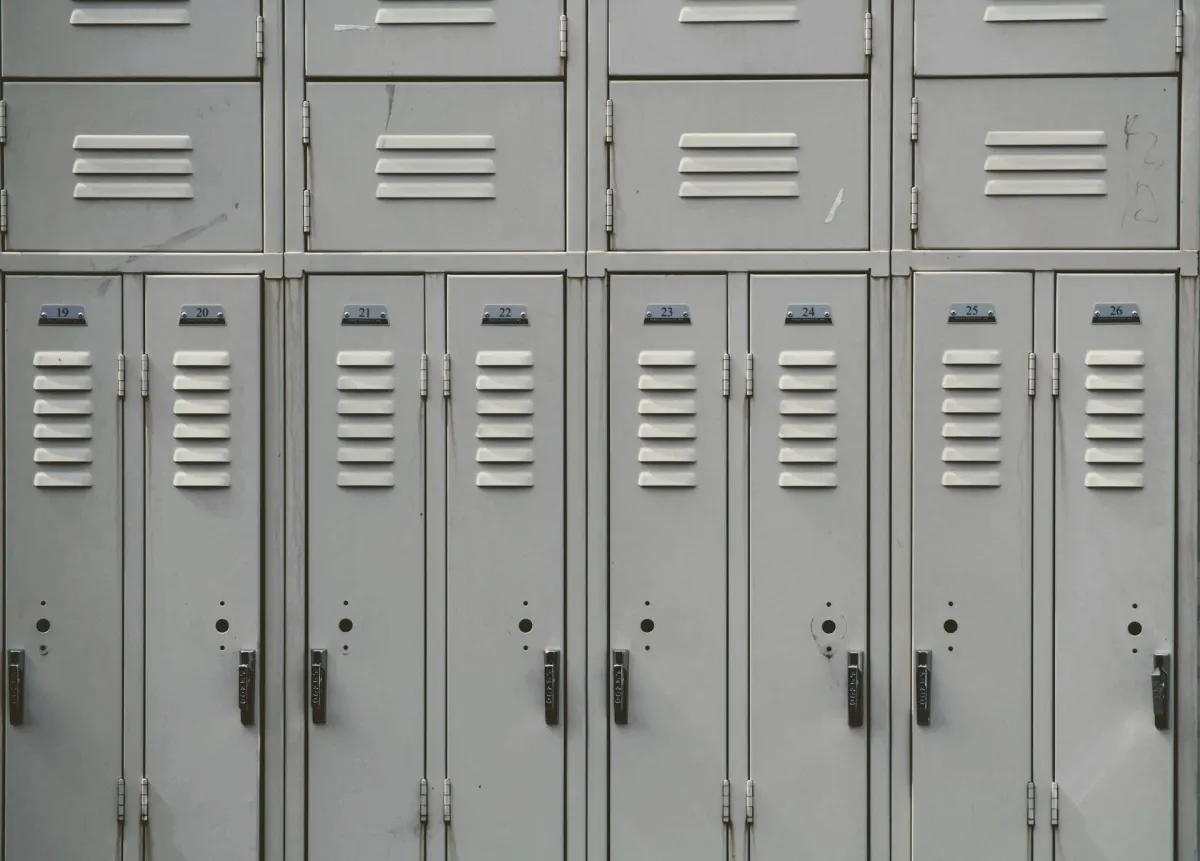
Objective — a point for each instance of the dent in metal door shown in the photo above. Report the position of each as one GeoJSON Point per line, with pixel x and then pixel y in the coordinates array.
{"type": "Point", "coordinates": [366, 563]}
{"type": "Point", "coordinates": [1079, 163]}
{"type": "Point", "coordinates": [1114, 564]}
{"type": "Point", "coordinates": [971, 564]}
{"type": "Point", "coordinates": [668, 565]}
{"type": "Point", "coordinates": [155, 39]}
{"type": "Point", "coordinates": [421, 39]}
{"type": "Point", "coordinates": [437, 166]}
{"type": "Point", "coordinates": [134, 167]}
{"type": "Point", "coordinates": [1014, 37]}
{"type": "Point", "coordinates": [751, 165]}
{"type": "Point", "coordinates": [505, 564]}
{"type": "Point", "coordinates": [203, 566]}
{"type": "Point", "coordinates": [727, 37]}
{"type": "Point", "coordinates": [63, 564]}
{"type": "Point", "coordinates": [808, 563]}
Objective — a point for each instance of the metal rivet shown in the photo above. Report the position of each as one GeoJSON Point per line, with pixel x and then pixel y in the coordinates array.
{"type": "Point", "coordinates": [1135, 313]}
{"type": "Point", "coordinates": [789, 315]}
{"type": "Point", "coordinates": [953, 313]}
{"type": "Point", "coordinates": [827, 315]}
{"type": "Point", "coordinates": [685, 315]}
{"type": "Point", "coordinates": [486, 315]}
{"type": "Point", "coordinates": [1095, 313]}
{"type": "Point", "coordinates": [220, 315]}
{"type": "Point", "coordinates": [346, 315]}
{"type": "Point", "coordinates": [44, 316]}
{"type": "Point", "coordinates": [383, 315]}
{"type": "Point", "coordinates": [524, 316]}
{"type": "Point", "coordinates": [80, 315]}
{"type": "Point", "coordinates": [991, 313]}
{"type": "Point", "coordinates": [647, 313]}
{"type": "Point", "coordinates": [183, 315]}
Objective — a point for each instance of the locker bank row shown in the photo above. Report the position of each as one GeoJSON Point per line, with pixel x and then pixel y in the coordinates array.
{"type": "Point", "coordinates": [735, 458]}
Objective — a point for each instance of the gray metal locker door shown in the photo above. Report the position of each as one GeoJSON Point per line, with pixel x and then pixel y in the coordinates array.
{"type": "Point", "coordinates": [203, 565]}
{"type": "Point", "coordinates": [1067, 163]}
{"type": "Point", "coordinates": [728, 37]}
{"type": "Point", "coordinates": [133, 167]}
{"type": "Point", "coordinates": [366, 564]}
{"type": "Point", "coordinates": [808, 565]}
{"type": "Point", "coordinates": [971, 565]}
{"type": "Point", "coordinates": [747, 165]}
{"type": "Point", "coordinates": [452, 167]}
{"type": "Point", "coordinates": [668, 566]}
{"type": "Point", "coordinates": [153, 39]}
{"type": "Point", "coordinates": [505, 566]}
{"type": "Point", "coordinates": [431, 39]}
{"type": "Point", "coordinates": [63, 566]}
{"type": "Point", "coordinates": [1114, 572]}
{"type": "Point", "coordinates": [1016, 37]}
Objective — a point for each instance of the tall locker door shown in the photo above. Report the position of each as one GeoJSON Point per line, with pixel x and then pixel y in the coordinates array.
{"type": "Point", "coordinates": [1114, 570]}
{"type": "Point", "coordinates": [971, 565]}
{"type": "Point", "coordinates": [366, 566]}
{"type": "Point", "coordinates": [668, 566]}
{"type": "Point", "coordinates": [203, 565]}
{"type": "Point", "coordinates": [808, 565]}
{"type": "Point", "coordinates": [63, 567]}
{"type": "Point", "coordinates": [505, 563]}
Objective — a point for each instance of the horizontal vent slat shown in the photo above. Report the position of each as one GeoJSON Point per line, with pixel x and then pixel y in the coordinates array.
{"type": "Point", "coordinates": [517, 430]}
{"type": "Point", "coordinates": [667, 430]}
{"type": "Point", "coordinates": [199, 383]}
{"type": "Point", "coordinates": [62, 431]}
{"type": "Point", "coordinates": [71, 455]}
{"type": "Point", "coordinates": [62, 383]}
{"type": "Point", "coordinates": [202, 480]}
{"type": "Point", "coordinates": [202, 359]}
{"type": "Point", "coordinates": [64, 480]}
{"type": "Point", "coordinates": [366, 430]}
{"type": "Point", "coordinates": [820, 478]}
{"type": "Point", "coordinates": [215, 407]}
{"type": "Point", "coordinates": [372, 478]}
{"type": "Point", "coordinates": [366, 359]}
{"type": "Point", "coordinates": [220, 454]}
{"type": "Point", "coordinates": [62, 407]}
{"type": "Point", "coordinates": [494, 479]}
{"type": "Point", "coordinates": [667, 406]}
{"type": "Point", "coordinates": [666, 479]}
{"type": "Point", "coordinates": [740, 13]}
{"type": "Point", "coordinates": [504, 359]}
{"type": "Point", "coordinates": [365, 407]}
{"type": "Point", "coordinates": [366, 454]}
{"type": "Point", "coordinates": [364, 383]}
{"type": "Point", "coordinates": [62, 359]}
{"type": "Point", "coordinates": [207, 431]}
{"type": "Point", "coordinates": [504, 407]}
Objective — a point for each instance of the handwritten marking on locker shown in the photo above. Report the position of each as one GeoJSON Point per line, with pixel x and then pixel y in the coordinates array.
{"type": "Point", "coordinates": [837, 201]}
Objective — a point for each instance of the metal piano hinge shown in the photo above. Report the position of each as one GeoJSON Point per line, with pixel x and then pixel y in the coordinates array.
{"type": "Point", "coordinates": [306, 217]}
{"type": "Point", "coordinates": [1054, 805]}
{"type": "Point", "coordinates": [306, 122]}
{"type": "Point", "coordinates": [749, 375]}
{"type": "Point", "coordinates": [725, 801]}
{"type": "Point", "coordinates": [562, 36]}
{"type": "Point", "coordinates": [608, 120]}
{"type": "Point", "coordinates": [446, 375]}
{"type": "Point", "coordinates": [424, 801]}
{"type": "Point", "coordinates": [749, 802]}
{"type": "Point", "coordinates": [3, 210]}
{"type": "Point", "coordinates": [120, 799]}
{"type": "Point", "coordinates": [608, 210]}
{"type": "Point", "coordinates": [446, 801]}
{"type": "Point", "coordinates": [1054, 375]}
{"type": "Point", "coordinates": [424, 375]}
{"type": "Point", "coordinates": [914, 120]}
{"type": "Point", "coordinates": [120, 375]}
{"type": "Point", "coordinates": [260, 37]}
{"type": "Point", "coordinates": [725, 375]}
{"type": "Point", "coordinates": [3, 122]}
{"type": "Point", "coordinates": [868, 38]}
{"type": "Point", "coordinates": [145, 803]}
{"type": "Point", "coordinates": [912, 209]}
{"type": "Point", "coordinates": [1032, 377]}
{"type": "Point", "coordinates": [1179, 31]}
{"type": "Point", "coordinates": [145, 376]}
{"type": "Point", "coordinates": [1030, 802]}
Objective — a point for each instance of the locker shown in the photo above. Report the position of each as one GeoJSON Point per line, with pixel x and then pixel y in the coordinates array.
{"type": "Point", "coordinates": [1016, 37]}
{"type": "Point", "coordinates": [426, 38]}
{"type": "Point", "coordinates": [366, 574]}
{"type": "Point", "coordinates": [133, 167]}
{"type": "Point", "coordinates": [203, 566]}
{"type": "Point", "coordinates": [808, 565]}
{"type": "Point", "coordinates": [451, 167]}
{"type": "Point", "coordinates": [1069, 163]}
{"type": "Point", "coordinates": [63, 564]}
{"type": "Point", "coordinates": [153, 39]}
{"type": "Point", "coordinates": [971, 564]}
{"type": "Point", "coordinates": [1115, 565]}
{"type": "Point", "coordinates": [748, 165]}
{"type": "Point", "coordinates": [667, 566]}
{"type": "Point", "coordinates": [505, 560]}
{"type": "Point", "coordinates": [733, 37]}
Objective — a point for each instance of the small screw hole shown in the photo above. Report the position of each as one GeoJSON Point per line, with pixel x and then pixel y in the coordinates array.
{"type": "Point", "coordinates": [1134, 606]}
{"type": "Point", "coordinates": [647, 603]}
{"type": "Point", "coordinates": [951, 648]}
{"type": "Point", "coordinates": [222, 648]}
{"type": "Point", "coordinates": [828, 603]}
{"type": "Point", "coordinates": [222, 626]}
{"type": "Point", "coordinates": [43, 625]}
{"type": "Point", "coordinates": [526, 648]}
{"type": "Point", "coordinates": [1135, 651]}
{"type": "Point", "coordinates": [222, 603]}
{"type": "Point", "coordinates": [525, 625]}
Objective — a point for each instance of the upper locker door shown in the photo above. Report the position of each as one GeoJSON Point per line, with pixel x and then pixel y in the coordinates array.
{"type": "Point", "coordinates": [428, 38]}
{"type": "Point", "coordinates": [808, 565]}
{"type": "Point", "coordinates": [203, 565]}
{"type": "Point", "coordinates": [1018, 37]}
{"type": "Point", "coordinates": [1055, 163]}
{"type": "Point", "coordinates": [736, 37]}
{"type": "Point", "coordinates": [747, 165]}
{"type": "Point", "coordinates": [366, 565]}
{"type": "Point", "coordinates": [668, 566]}
{"type": "Point", "coordinates": [143, 39]}
{"type": "Point", "coordinates": [971, 565]}
{"type": "Point", "coordinates": [1114, 570]}
{"type": "Point", "coordinates": [505, 566]}
{"type": "Point", "coordinates": [63, 565]}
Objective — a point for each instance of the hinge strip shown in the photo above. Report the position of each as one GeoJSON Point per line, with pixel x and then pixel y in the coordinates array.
{"type": "Point", "coordinates": [868, 36]}
{"type": "Point", "coordinates": [1030, 802]}
{"type": "Point", "coordinates": [914, 120]}
{"type": "Point", "coordinates": [749, 802]}
{"type": "Point", "coordinates": [145, 803]}
{"type": "Point", "coordinates": [145, 376]}
{"type": "Point", "coordinates": [1032, 380]}
{"type": "Point", "coordinates": [1054, 375]}
{"type": "Point", "coordinates": [120, 377]}
{"type": "Point", "coordinates": [3, 122]}
{"type": "Point", "coordinates": [749, 375]}
{"type": "Point", "coordinates": [424, 375]}
{"type": "Point", "coordinates": [608, 211]}
{"type": "Point", "coordinates": [562, 37]}
{"type": "Point", "coordinates": [1054, 805]}
{"type": "Point", "coordinates": [725, 376]}
{"type": "Point", "coordinates": [446, 801]}
{"type": "Point", "coordinates": [725, 801]}
{"type": "Point", "coordinates": [424, 806]}
{"type": "Point", "coordinates": [3, 210]}
{"type": "Point", "coordinates": [608, 120]}
{"type": "Point", "coordinates": [446, 375]}
{"type": "Point", "coordinates": [912, 208]}
{"type": "Point", "coordinates": [306, 122]}
{"type": "Point", "coordinates": [307, 212]}
{"type": "Point", "coordinates": [1179, 31]}
{"type": "Point", "coordinates": [120, 799]}
{"type": "Point", "coordinates": [260, 38]}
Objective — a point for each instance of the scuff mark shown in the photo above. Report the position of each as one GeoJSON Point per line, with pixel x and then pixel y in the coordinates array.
{"type": "Point", "coordinates": [187, 235]}
{"type": "Point", "coordinates": [837, 201]}
{"type": "Point", "coordinates": [341, 28]}
{"type": "Point", "coordinates": [391, 91]}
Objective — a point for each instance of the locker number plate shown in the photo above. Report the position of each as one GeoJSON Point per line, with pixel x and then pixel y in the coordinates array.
{"type": "Point", "coordinates": [808, 314]}
{"type": "Point", "coordinates": [1116, 312]}
{"type": "Point", "coordinates": [668, 314]}
{"type": "Point", "coordinates": [202, 315]}
{"type": "Point", "coordinates": [62, 315]}
{"type": "Point", "coordinates": [364, 315]}
{"type": "Point", "coordinates": [514, 315]}
{"type": "Point", "coordinates": [972, 312]}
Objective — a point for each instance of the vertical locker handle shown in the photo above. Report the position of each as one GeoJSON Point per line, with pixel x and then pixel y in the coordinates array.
{"type": "Point", "coordinates": [318, 669]}
{"type": "Point", "coordinates": [247, 661]}
{"type": "Point", "coordinates": [550, 666]}
{"type": "Point", "coordinates": [620, 686]}
{"type": "Point", "coordinates": [16, 686]}
{"type": "Point", "coordinates": [924, 686]}
{"type": "Point", "coordinates": [1160, 689]}
{"type": "Point", "coordinates": [856, 668]}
